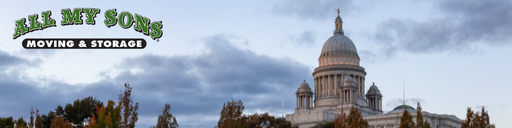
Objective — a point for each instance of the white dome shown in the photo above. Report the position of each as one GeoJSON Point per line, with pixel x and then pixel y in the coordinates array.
{"type": "Point", "coordinates": [338, 49]}
{"type": "Point", "coordinates": [339, 44]}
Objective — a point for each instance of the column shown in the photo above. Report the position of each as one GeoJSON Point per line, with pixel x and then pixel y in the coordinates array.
{"type": "Point", "coordinates": [335, 84]}
{"type": "Point", "coordinates": [356, 79]}
{"type": "Point", "coordinates": [329, 87]}
{"type": "Point", "coordinates": [297, 101]}
{"type": "Point", "coordinates": [311, 103]}
{"type": "Point", "coordinates": [350, 95]}
{"type": "Point", "coordinates": [375, 103]}
{"type": "Point", "coordinates": [307, 102]}
{"type": "Point", "coordinates": [380, 102]}
{"type": "Point", "coordinates": [364, 86]}
{"type": "Point", "coordinates": [360, 86]}
{"type": "Point", "coordinates": [323, 86]}
{"type": "Point", "coordinates": [300, 101]}
{"type": "Point", "coordinates": [316, 87]}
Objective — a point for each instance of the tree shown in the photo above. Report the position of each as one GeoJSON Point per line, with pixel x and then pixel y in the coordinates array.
{"type": "Point", "coordinates": [60, 122]}
{"type": "Point", "coordinates": [420, 123]}
{"type": "Point", "coordinates": [31, 123]}
{"type": "Point", "coordinates": [20, 123]}
{"type": "Point", "coordinates": [129, 110]}
{"type": "Point", "coordinates": [406, 120]}
{"type": "Point", "coordinates": [166, 120]}
{"type": "Point", "coordinates": [39, 122]}
{"type": "Point", "coordinates": [341, 121]}
{"type": "Point", "coordinates": [59, 111]}
{"type": "Point", "coordinates": [101, 111]}
{"type": "Point", "coordinates": [355, 119]}
{"type": "Point", "coordinates": [47, 119]}
{"type": "Point", "coordinates": [114, 114]}
{"type": "Point", "coordinates": [477, 120]}
{"type": "Point", "coordinates": [230, 115]}
{"type": "Point", "coordinates": [92, 122]}
{"type": "Point", "coordinates": [80, 110]}
{"type": "Point", "coordinates": [7, 122]}
{"type": "Point", "coordinates": [280, 123]}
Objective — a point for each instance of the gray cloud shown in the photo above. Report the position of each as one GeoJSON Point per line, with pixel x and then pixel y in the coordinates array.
{"type": "Point", "coordinates": [464, 26]}
{"type": "Point", "coordinates": [312, 10]}
{"type": "Point", "coordinates": [196, 86]}
{"type": "Point", "coordinates": [307, 38]}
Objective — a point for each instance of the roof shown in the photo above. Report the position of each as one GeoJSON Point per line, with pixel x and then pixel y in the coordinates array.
{"type": "Point", "coordinates": [402, 107]}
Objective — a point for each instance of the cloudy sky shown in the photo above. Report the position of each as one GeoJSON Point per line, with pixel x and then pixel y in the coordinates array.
{"type": "Point", "coordinates": [453, 54]}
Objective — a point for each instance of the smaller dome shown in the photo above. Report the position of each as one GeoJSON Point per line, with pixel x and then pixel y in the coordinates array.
{"type": "Point", "coordinates": [374, 88]}
{"type": "Point", "coordinates": [401, 107]}
{"type": "Point", "coordinates": [304, 85]}
{"type": "Point", "coordinates": [304, 88]}
{"type": "Point", "coordinates": [349, 82]}
{"type": "Point", "coordinates": [373, 91]}
{"type": "Point", "coordinates": [348, 79]}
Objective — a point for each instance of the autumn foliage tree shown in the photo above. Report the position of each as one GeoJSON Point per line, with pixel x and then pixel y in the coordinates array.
{"type": "Point", "coordinates": [129, 115]}
{"type": "Point", "coordinates": [355, 119]}
{"type": "Point", "coordinates": [341, 121]}
{"type": "Point", "coordinates": [108, 117]}
{"type": "Point", "coordinates": [60, 122]}
{"type": "Point", "coordinates": [230, 114]}
{"type": "Point", "coordinates": [20, 123]}
{"type": "Point", "coordinates": [406, 120]}
{"type": "Point", "coordinates": [166, 120]}
{"type": "Point", "coordinates": [38, 122]}
{"type": "Point", "coordinates": [420, 123]}
{"type": "Point", "coordinates": [477, 120]}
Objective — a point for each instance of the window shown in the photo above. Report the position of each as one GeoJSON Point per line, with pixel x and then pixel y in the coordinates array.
{"type": "Point", "coordinates": [333, 85]}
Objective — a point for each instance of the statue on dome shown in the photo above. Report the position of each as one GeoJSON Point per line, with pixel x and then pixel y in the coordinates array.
{"type": "Point", "coordinates": [338, 11]}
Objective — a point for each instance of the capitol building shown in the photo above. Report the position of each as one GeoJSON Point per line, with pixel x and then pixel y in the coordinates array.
{"type": "Point", "coordinates": [339, 82]}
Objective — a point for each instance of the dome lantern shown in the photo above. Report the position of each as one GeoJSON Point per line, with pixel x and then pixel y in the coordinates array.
{"type": "Point", "coordinates": [339, 24]}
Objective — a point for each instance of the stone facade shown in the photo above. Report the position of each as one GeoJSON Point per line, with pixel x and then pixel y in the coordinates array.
{"type": "Point", "coordinates": [339, 84]}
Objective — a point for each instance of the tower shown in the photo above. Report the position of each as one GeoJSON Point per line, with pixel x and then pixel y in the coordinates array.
{"type": "Point", "coordinates": [374, 98]}
{"type": "Point", "coordinates": [304, 96]}
{"type": "Point", "coordinates": [339, 60]}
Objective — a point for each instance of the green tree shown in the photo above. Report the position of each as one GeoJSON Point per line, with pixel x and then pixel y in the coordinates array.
{"type": "Point", "coordinates": [129, 110]}
{"type": "Point", "coordinates": [232, 117]}
{"type": "Point", "coordinates": [101, 111]}
{"type": "Point", "coordinates": [166, 120]}
{"type": "Point", "coordinates": [280, 123]}
{"type": "Point", "coordinates": [7, 122]}
{"type": "Point", "coordinates": [406, 120]}
{"type": "Point", "coordinates": [355, 119]}
{"type": "Point", "coordinates": [420, 123]}
{"type": "Point", "coordinates": [47, 119]}
{"type": "Point", "coordinates": [114, 114]}
{"type": "Point", "coordinates": [80, 110]}
{"type": "Point", "coordinates": [477, 120]}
